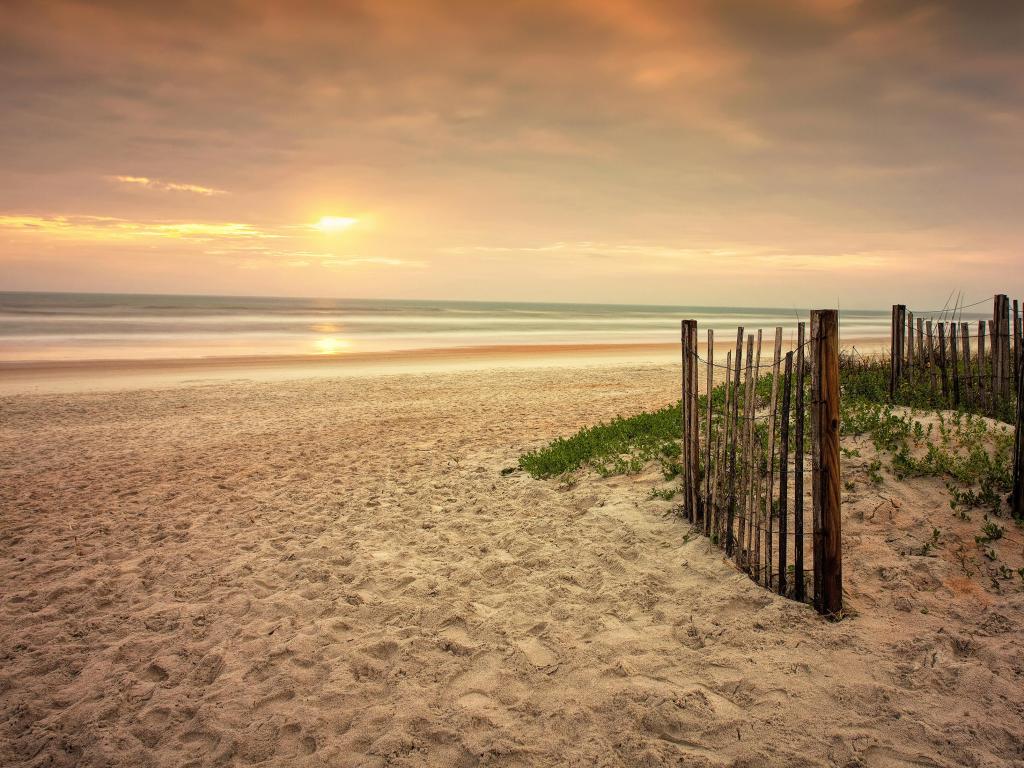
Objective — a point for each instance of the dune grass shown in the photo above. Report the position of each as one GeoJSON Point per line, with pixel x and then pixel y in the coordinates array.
{"type": "Point", "coordinates": [972, 455]}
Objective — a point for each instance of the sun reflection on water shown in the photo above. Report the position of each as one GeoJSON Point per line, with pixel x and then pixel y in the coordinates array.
{"type": "Point", "coordinates": [331, 345]}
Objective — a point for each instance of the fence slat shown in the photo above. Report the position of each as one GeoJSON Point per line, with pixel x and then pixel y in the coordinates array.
{"type": "Point", "coordinates": [753, 508]}
{"type": "Point", "coordinates": [965, 351]}
{"type": "Point", "coordinates": [942, 361]}
{"type": "Point", "coordinates": [817, 554]}
{"type": "Point", "coordinates": [742, 524]}
{"type": "Point", "coordinates": [720, 451]}
{"type": "Point", "coordinates": [1016, 342]}
{"type": "Point", "coordinates": [933, 374]}
{"type": "Point", "coordinates": [910, 346]}
{"type": "Point", "coordinates": [695, 424]}
{"type": "Point", "coordinates": [982, 389]}
{"type": "Point", "coordinates": [955, 365]}
{"type": "Point", "coordinates": [921, 346]}
{"type": "Point", "coordinates": [684, 407]}
{"type": "Point", "coordinates": [730, 539]}
{"type": "Point", "coordinates": [993, 364]}
{"type": "Point", "coordinates": [798, 471]}
{"type": "Point", "coordinates": [707, 448]}
{"type": "Point", "coordinates": [770, 479]}
{"type": "Point", "coordinates": [787, 387]}
{"type": "Point", "coordinates": [1017, 495]}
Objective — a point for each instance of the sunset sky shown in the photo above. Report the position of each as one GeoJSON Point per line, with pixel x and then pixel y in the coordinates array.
{"type": "Point", "coordinates": [772, 153]}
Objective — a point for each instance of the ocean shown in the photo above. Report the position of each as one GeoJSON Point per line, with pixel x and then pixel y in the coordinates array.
{"type": "Point", "coordinates": [70, 326]}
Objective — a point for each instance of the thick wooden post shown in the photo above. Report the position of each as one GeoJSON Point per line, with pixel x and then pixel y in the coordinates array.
{"type": "Point", "coordinates": [828, 562]}
{"type": "Point", "coordinates": [684, 414]}
{"type": "Point", "coordinates": [896, 347]}
{"type": "Point", "coordinates": [799, 592]}
{"type": "Point", "coordinates": [1001, 346]}
{"type": "Point", "coordinates": [787, 386]}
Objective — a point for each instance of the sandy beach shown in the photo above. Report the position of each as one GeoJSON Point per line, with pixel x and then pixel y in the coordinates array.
{"type": "Point", "coordinates": [334, 571]}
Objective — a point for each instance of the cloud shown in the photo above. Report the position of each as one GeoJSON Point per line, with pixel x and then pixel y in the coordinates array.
{"type": "Point", "coordinates": [168, 186]}
{"type": "Point", "coordinates": [107, 228]}
{"type": "Point", "coordinates": [824, 131]}
{"type": "Point", "coordinates": [354, 261]}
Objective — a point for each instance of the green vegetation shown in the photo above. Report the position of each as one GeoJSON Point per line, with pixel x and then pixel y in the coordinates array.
{"type": "Point", "coordinates": [868, 379]}
{"type": "Point", "coordinates": [625, 445]}
{"type": "Point", "coordinates": [621, 446]}
{"type": "Point", "coordinates": [973, 455]}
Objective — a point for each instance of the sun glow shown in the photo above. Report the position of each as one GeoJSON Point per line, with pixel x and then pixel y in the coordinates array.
{"type": "Point", "coordinates": [334, 223]}
{"type": "Point", "coordinates": [330, 345]}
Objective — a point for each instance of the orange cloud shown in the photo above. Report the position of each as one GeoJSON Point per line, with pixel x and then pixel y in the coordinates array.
{"type": "Point", "coordinates": [168, 186]}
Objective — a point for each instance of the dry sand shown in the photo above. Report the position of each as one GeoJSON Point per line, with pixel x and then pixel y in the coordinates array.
{"type": "Point", "coordinates": [334, 572]}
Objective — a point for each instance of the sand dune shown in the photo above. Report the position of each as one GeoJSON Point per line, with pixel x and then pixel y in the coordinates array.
{"type": "Point", "coordinates": [335, 572]}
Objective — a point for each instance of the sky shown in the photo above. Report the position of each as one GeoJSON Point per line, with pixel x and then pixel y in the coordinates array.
{"type": "Point", "coordinates": [792, 152]}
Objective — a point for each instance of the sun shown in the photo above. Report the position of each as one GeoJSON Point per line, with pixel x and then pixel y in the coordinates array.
{"type": "Point", "coordinates": [334, 223]}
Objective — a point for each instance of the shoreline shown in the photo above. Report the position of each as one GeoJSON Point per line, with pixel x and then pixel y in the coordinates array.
{"type": "Point", "coordinates": [52, 376]}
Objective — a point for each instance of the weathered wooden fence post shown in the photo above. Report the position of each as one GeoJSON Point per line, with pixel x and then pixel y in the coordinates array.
{"type": "Point", "coordinates": [770, 491]}
{"type": "Point", "coordinates": [799, 592]}
{"type": "Point", "coordinates": [707, 449]}
{"type": "Point", "coordinates": [698, 506]}
{"type": "Point", "coordinates": [683, 401]}
{"type": "Point", "coordinates": [931, 357]}
{"type": "Point", "coordinates": [1001, 344]}
{"type": "Point", "coordinates": [1016, 342]}
{"type": "Point", "coordinates": [690, 423]}
{"type": "Point", "coordinates": [897, 346]}
{"type": "Point", "coordinates": [954, 359]}
{"type": "Point", "coordinates": [965, 352]}
{"type": "Point", "coordinates": [730, 542]}
{"type": "Point", "coordinates": [908, 370]}
{"type": "Point", "coordinates": [686, 416]}
{"type": "Point", "coordinates": [1017, 496]}
{"type": "Point", "coordinates": [741, 538]}
{"type": "Point", "coordinates": [942, 363]}
{"type": "Point", "coordinates": [983, 390]}
{"type": "Point", "coordinates": [787, 386]}
{"type": "Point", "coordinates": [828, 559]}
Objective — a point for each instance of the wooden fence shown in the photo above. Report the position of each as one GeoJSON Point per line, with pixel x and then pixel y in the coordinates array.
{"type": "Point", "coordinates": [974, 364]}
{"type": "Point", "coordinates": [957, 366]}
{"type": "Point", "coordinates": [746, 437]}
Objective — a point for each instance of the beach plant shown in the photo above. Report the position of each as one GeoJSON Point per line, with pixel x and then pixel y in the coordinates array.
{"type": "Point", "coordinates": [619, 446]}
{"type": "Point", "coordinates": [914, 436]}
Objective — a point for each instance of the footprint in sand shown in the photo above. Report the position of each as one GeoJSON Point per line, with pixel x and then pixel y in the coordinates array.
{"type": "Point", "coordinates": [538, 654]}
